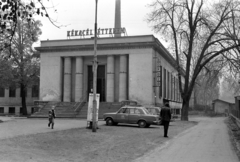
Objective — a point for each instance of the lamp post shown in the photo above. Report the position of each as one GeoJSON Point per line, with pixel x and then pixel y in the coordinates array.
{"type": "Point", "coordinates": [95, 75]}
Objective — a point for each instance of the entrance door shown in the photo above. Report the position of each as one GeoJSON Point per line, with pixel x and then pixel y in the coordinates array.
{"type": "Point", "coordinates": [100, 81]}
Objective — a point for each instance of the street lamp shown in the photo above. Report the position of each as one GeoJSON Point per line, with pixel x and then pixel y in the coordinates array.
{"type": "Point", "coordinates": [94, 125]}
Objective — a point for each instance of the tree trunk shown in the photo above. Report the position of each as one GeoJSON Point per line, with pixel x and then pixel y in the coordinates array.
{"type": "Point", "coordinates": [185, 107]}
{"type": "Point", "coordinates": [24, 106]}
{"type": "Point", "coordinates": [194, 98]}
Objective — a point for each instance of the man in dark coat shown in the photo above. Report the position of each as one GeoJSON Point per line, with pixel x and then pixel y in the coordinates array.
{"type": "Point", "coordinates": [165, 115]}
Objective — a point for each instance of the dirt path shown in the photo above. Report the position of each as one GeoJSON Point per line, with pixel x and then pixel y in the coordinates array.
{"type": "Point", "coordinates": [206, 142]}
{"type": "Point", "coordinates": [12, 127]}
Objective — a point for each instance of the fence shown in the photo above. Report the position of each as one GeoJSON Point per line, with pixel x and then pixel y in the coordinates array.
{"type": "Point", "coordinates": [234, 111]}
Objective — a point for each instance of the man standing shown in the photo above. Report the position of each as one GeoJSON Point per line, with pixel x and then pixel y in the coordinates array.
{"type": "Point", "coordinates": [165, 115]}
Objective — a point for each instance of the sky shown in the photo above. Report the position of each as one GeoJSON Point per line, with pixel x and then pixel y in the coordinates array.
{"type": "Point", "coordinates": [80, 15]}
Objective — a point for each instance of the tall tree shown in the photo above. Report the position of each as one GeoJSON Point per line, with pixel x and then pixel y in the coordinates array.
{"type": "Point", "coordinates": [5, 73]}
{"type": "Point", "coordinates": [200, 29]}
{"type": "Point", "coordinates": [25, 61]}
{"type": "Point", "coordinates": [13, 10]}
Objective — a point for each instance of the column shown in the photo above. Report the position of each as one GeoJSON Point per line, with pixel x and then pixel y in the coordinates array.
{"type": "Point", "coordinates": [123, 78]}
{"type": "Point", "coordinates": [67, 80]}
{"type": "Point", "coordinates": [110, 79]}
{"type": "Point", "coordinates": [79, 80]}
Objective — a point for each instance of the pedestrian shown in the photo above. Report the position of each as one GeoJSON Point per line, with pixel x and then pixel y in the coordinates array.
{"type": "Point", "coordinates": [165, 115]}
{"type": "Point", "coordinates": [51, 117]}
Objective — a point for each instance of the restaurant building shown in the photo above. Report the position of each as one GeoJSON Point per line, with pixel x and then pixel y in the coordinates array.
{"type": "Point", "coordinates": [129, 68]}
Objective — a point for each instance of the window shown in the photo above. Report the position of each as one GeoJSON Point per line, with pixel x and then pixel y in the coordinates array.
{"type": "Point", "coordinates": [2, 92]}
{"type": "Point", "coordinates": [11, 110]}
{"type": "Point", "coordinates": [172, 87]}
{"type": "Point", "coordinates": [178, 111]}
{"type": "Point", "coordinates": [32, 110]}
{"type": "Point", "coordinates": [160, 84]}
{"type": "Point", "coordinates": [137, 111]}
{"type": "Point", "coordinates": [122, 110]}
{"type": "Point", "coordinates": [35, 91]}
{"type": "Point", "coordinates": [168, 85]}
{"type": "Point", "coordinates": [25, 92]}
{"type": "Point", "coordinates": [164, 84]}
{"type": "Point", "coordinates": [131, 111]}
{"type": "Point", "coordinates": [12, 91]}
{"type": "Point", "coordinates": [21, 110]}
{"type": "Point", "coordinates": [1, 110]}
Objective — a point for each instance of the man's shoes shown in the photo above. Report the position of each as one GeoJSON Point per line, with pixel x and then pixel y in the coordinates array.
{"type": "Point", "coordinates": [166, 136]}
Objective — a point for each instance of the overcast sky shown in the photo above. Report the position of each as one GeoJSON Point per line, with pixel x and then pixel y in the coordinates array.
{"type": "Point", "coordinates": [80, 15]}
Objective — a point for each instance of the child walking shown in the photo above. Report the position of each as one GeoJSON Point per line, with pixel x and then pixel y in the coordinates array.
{"type": "Point", "coordinates": [51, 116]}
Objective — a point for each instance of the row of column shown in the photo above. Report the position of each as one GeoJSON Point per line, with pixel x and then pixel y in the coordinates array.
{"type": "Point", "coordinates": [78, 79]}
{"type": "Point", "coordinates": [110, 79]}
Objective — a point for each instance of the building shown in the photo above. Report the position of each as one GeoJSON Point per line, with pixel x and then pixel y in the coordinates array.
{"type": "Point", "coordinates": [135, 68]}
{"type": "Point", "coordinates": [221, 107]}
{"type": "Point", "coordinates": [11, 100]}
{"type": "Point", "coordinates": [129, 68]}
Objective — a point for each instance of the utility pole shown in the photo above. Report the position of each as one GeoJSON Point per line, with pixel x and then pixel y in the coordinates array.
{"type": "Point", "coordinates": [94, 125]}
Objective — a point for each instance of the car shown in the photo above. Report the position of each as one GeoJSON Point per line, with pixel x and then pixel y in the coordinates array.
{"type": "Point", "coordinates": [154, 110]}
{"type": "Point", "coordinates": [131, 115]}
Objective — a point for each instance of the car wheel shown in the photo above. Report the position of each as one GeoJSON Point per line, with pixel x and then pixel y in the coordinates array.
{"type": "Point", "coordinates": [142, 124]}
{"type": "Point", "coordinates": [109, 121]}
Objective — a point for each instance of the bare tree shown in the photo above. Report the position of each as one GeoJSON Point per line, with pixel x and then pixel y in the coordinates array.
{"type": "Point", "coordinates": [207, 31]}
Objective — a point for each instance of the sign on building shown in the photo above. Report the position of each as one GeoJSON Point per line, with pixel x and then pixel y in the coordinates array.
{"type": "Point", "coordinates": [158, 73]}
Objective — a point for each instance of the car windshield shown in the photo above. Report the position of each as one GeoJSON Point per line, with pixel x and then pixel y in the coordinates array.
{"type": "Point", "coordinates": [145, 110]}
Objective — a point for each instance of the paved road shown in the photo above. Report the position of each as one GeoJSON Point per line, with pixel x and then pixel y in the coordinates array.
{"type": "Point", "coordinates": [206, 142]}
{"type": "Point", "coordinates": [12, 127]}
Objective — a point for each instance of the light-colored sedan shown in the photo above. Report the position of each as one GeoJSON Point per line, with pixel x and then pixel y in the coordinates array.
{"type": "Point", "coordinates": [131, 115]}
{"type": "Point", "coordinates": [154, 110]}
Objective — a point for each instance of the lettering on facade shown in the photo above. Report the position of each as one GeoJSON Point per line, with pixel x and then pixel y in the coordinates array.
{"type": "Point", "coordinates": [100, 31]}
{"type": "Point", "coordinates": [158, 73]}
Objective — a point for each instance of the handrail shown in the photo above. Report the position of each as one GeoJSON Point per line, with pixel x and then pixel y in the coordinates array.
{"type": "Point", "coordinates": [81, 104]}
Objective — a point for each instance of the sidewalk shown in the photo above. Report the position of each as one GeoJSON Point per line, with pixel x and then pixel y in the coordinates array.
{"type": "Point", "coordinates": [206, 142]}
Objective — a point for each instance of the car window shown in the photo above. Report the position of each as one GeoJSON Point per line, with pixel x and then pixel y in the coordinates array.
{"type": "Point", "coordinates": [126, 111]}
{"type": "Point", "coordinates": [151, 110]}
{"type": "Point", "coordinates": [122, 110]}
{"type": "Point", "coordinates": [138, 111]}
{"type": "Point", "coordinates": [131, 111]}
{"type": "Point", "coordinates": [145, 111]}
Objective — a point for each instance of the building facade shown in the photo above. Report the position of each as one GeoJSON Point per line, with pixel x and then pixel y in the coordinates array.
{"type": "Point", "coordinates": [221, 107]}
{"type": "Point", "coordinates": [129, 68]}
{"type": "Point", "coordinates": [11, 100]}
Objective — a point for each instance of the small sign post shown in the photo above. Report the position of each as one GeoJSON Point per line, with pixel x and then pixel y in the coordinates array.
{"type": "Point", "coordinates": [90, 110]}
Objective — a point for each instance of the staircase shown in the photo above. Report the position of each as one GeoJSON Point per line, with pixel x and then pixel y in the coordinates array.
{"type": "Point", "coordinates": [62, 110]}
{"type": "Point", "coordinates": [75, 110]}
{"type": "Point", "coordinates": [104, 107]}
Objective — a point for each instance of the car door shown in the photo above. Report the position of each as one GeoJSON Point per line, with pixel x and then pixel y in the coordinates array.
{"type": "Point", "coordinates": [134, 115]}
{"type": "Point", "coordinates": [122, 115]}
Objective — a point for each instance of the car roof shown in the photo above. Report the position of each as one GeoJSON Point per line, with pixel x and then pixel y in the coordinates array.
{"type": "Point", "coordinates": [153, 107]}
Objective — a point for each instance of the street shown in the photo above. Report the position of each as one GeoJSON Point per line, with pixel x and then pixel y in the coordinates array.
{"type": "Point", "coordinates": [206, 142]}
